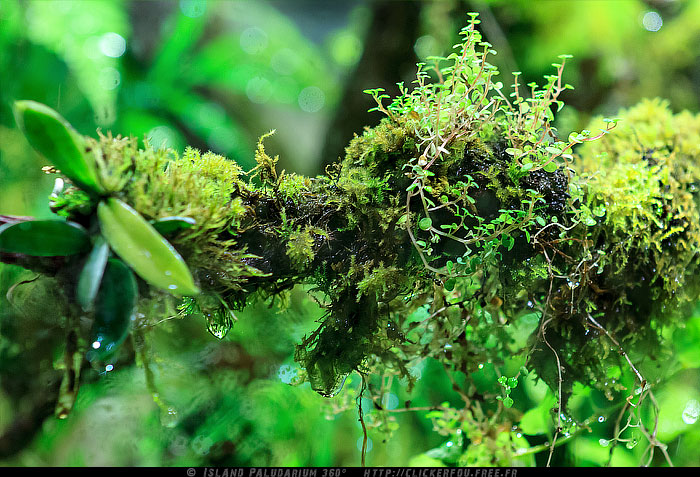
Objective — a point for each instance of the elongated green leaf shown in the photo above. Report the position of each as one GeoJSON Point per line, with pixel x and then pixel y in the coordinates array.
{"type": "Point", "coordinates": [54, 138]}
{"type": "Point", "coordinates": [91, 274]}
{"type": "Point", "coordinates": [114, 307]}
{"type": "Point", "coordinates": [143, 248]}
{"type": "Point", "coordinates": [44, 238]}
{"type": "Point", "coordinates": [169, 225]}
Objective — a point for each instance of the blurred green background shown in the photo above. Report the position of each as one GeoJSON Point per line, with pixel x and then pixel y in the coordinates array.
{"type": "Point", "coordinates": [217, 75]}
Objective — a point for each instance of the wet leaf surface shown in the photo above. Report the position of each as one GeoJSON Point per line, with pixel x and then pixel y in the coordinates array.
{"type": "Point", "coordinates": [54, 138]}
{"type": "Point", "coordinates": [43, 238]}
{"type": "Point", "coordinates": [146, 251]}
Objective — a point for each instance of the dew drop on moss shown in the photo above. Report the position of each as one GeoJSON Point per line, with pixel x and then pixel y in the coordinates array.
{"type": "Point", "coordinates": [218, 324]}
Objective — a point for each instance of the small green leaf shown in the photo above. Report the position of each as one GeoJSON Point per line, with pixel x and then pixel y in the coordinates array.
{"type": "Point", "coordinates": [91, 274]}
{"type": "Point", "coordinates": [146, 251]}
{"type": "Point", "coordinates": [54, 138]}
{"type": "Point", "coordinates": [170, 225]}
{"type": "Point", "coordinates": [44, 238]}
{"type": "Point", "coordinates": [550, 167]}
{"type": "Point", "coordinates": [114, 308]}
{"type": "Point", "coordinates": [508, 401]}
{"type": "Point", "coordinates": [450, 284]}
{"type": "Point", "coordinates": [507, 241]}
{"type": "Point", "coordinates": [425, 223]}
{"type": "Point", "coordinates": [598, 210]}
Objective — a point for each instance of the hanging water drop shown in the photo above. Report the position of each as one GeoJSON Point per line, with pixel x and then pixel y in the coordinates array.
{"type": "Point", "coordinates": [219, 323]}
{"type": "Point", "coordinates": [169, 417]}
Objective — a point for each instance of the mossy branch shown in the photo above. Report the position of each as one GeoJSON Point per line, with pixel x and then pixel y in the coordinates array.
{"type": "Point", "coordinates": [461, 201]}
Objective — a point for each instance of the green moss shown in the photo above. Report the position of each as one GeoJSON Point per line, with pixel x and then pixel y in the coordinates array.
{"type": "Point", "coordinates": [648, 201]}
{"type": "Point", "coordinates": [300, 249]}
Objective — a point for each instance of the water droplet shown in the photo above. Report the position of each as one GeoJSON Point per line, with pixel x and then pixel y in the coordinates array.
{"type": "Point", "coordinates": [449, 444]}
{"type": "Point", "coordinates": [691, 412]}
{"type": "Point", "coordinates": [481, 366]}
{"type": "Point", "coordinates": [109, 368]}
{"type": "Point", "coordinates": [169, 417]}
{"type": "Point", "coordinates": [96, 344]}
{"type": "Point", "coordinates": [172, 287]}
{"type": "Point", "coordinates": [601, 418]}
{"type": "Point", "coordinates": [219, 324]}
{"type": "Point", "coordinates": [631, 444]}
{"type": "Point", "coordinates": [327, 389]}
{"type": "Point", "coordinates": [168, 273]}
{"type": "Point", "coordinates": [604, 442]}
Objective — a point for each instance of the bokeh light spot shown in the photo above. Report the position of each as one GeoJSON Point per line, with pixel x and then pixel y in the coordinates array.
{"type": "Point", "coordinates": [284, 62]}
{"type": "Point", "coordinates": [109, 78]}
{"type": "Point", "coordinates": [426, 46]}
{"type": "Point", "coordinates": [346, 48]}
{"type": "Point", "coordinates": [258, 90]}
{"type": "Point", "coordinates": [652, 21]}
{"type": "Point", "coordinates": [253, 40]}
{"type": "Point", "coordinates": [311, 99]}
{"type": "Point", "coordinates": [691, 412]}
{"type": "Point", "coordinates": [161, 137]}
{"type": "Point", "coordinates": [193, 8]}
{"type": "Point", "coordinates": [370, 444]}
{"type": "Point", "coordinates": [390, 401]}
{"type": "Point", "coordinates": [221, 139]}
{"type": "Point", "coordinates": [112, 44]}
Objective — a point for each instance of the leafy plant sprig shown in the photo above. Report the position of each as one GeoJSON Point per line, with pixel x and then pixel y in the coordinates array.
{"type": "Point", "coordinates": [106, 286]}
{"type": "Point", "coordinates": [454, 108]}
